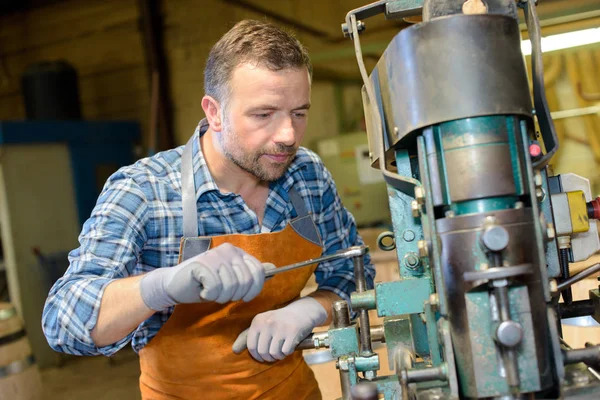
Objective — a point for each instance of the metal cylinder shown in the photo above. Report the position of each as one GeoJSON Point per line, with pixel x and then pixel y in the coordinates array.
{"type": "Point", "coordinates": [460, 45]}
{"type": "Point", "coordinates": [341, 314]}
{"type": "Point", "coordinates": [589, 355]}
{"type": "Point", "coordinates": [454, 148]}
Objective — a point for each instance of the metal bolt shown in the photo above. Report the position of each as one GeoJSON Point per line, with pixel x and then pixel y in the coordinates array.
{"type": "Point", "coordinates": [416, 211]}
{"type": "Point", "coordinates": [553, 285]}
{"type": "Point", "coordinates": [434, 300]}
{"type": "Point", "coordinates": [412, 261]}
{"type": "Point", "coordinates": [420, 195]}
{"type": "Point", "coordinates": [509, 333]}
{"type": "Point", "coordinates": [396, 130]}
{"type": "Point", "coordinates": [423, 250]}
{"type": "Point", "coordinates": [538, 180]}
{"type": "Point", "coordinates": [370, 375]}
{"type": "Point", "coordinates": [519, 205]}
{"type": "Point", "coordinates": [408, 235]}
{"type": "Point", "coordinates": [540, 193]}
{"type": "Point", "coordinates": [495, 238]}
{"type": "Point", "coordinates": [450, 214]}
{"type": "Point", "coordinates": [550, 232]}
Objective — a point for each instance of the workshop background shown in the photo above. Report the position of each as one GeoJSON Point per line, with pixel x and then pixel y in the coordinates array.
{"type": "Point", "coordinates": [136, 68]}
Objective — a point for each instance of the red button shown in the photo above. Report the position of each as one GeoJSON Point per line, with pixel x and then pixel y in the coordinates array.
{"type": "Point", "coordinates": [535, 150]}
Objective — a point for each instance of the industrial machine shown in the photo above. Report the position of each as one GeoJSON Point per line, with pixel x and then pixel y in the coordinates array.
{"type": "Point", "coordinates": [482, 230]}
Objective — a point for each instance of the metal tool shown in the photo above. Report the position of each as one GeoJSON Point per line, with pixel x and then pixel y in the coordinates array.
{"type": "Point", "coordinates": [350, 252]}
{"type": "Point", "coordinates": [354, 251]}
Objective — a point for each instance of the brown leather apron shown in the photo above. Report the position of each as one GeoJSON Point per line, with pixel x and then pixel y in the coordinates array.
{"type": "Point", "coordinates": [191, 357]}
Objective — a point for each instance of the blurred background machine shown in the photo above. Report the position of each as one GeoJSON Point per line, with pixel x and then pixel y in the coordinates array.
{"type": "Point", "coordinates": [53, 166]}
{"type": "Point", "coordinates": [483, 231]}
{"type": "Point", "coordinates": [361, 188]}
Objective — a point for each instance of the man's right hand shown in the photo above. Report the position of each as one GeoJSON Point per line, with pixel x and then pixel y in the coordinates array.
{"type": "Point", "coordinates": [225, 273]}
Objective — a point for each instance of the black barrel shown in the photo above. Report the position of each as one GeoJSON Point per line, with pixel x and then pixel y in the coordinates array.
{"type": "Point", "coordinates": [51, 91]}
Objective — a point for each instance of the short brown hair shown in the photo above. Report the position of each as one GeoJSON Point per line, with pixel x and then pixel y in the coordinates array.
{"type": "Point", "coordinates": [255, 42]}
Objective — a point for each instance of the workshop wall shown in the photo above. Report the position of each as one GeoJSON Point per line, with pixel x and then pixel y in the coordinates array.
{"type": "Point", "coordinates": [99, 38]}
{"type": "Point", "coordinates": [572, 83]}
{"type": "Point", "coordinates": [103, 41]}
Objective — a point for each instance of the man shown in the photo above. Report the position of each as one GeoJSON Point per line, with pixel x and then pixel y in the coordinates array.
{"type": "Point", "coordinates": [172, 255]}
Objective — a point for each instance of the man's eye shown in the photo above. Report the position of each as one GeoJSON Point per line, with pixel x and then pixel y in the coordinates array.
{"type": "Point", "coordinates": [300, 115]}
{"type": "Point", "coordinates": [262, 116]}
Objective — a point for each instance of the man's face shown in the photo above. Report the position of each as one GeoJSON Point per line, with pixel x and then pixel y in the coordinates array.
{"type": "Point", "coordinates": [265, 119]}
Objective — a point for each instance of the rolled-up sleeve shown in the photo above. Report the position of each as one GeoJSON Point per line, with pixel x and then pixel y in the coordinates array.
{"type": "Point", "coordinates": [110, 244]}
{"type": "Point", "coordinates": [338, 231]}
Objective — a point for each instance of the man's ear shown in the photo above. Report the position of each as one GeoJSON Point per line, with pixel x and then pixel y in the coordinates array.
{"type": "Point", "coordinates": [214, 113]}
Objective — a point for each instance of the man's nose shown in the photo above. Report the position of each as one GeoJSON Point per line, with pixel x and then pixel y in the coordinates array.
{"type": "Point", "coordinates": [286, 134]}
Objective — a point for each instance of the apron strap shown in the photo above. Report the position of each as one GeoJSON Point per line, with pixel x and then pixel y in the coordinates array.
{"type": "Point", "coordinates": [188, 191]}
{"type": "Point", "coordinates": [188, 194]}
{"type": "Point", "coordinates": [297, 202]}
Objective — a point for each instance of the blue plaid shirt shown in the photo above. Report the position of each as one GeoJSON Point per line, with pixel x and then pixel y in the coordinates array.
{"type": "Point", "coordinates": [136, 227]}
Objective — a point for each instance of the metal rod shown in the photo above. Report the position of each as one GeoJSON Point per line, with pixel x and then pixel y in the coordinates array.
{"type": "Point", "coordinates": [577, 277]}
{"type": "Point", "coordinates": [365, 326]}
{"type": "Point", "coordinates": [509, 357]}
{"type": "Point", "coordinates": [589, 355]}
{"type": "Point", "coordinates": [346, 385]}
{"type": "Point", "coordinates": [425, 375]}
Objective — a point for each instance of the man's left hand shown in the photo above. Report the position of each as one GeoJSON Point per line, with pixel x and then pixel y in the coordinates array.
{"type": "Point", "coordinates": [275, 334]}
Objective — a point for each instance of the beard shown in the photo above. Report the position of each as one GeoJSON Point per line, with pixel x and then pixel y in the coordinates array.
{"type": "Point", "coordinates": [256, 163]}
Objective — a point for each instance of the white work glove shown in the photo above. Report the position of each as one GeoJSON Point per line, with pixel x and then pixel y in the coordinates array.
{"type": "Point", "coordinates": [225, 273]}
{"type": "Point", "coordinates": [274, 335]}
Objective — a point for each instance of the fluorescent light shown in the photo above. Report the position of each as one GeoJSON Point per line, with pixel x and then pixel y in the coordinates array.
{"type": "Point", "coordinates": [564, 40]}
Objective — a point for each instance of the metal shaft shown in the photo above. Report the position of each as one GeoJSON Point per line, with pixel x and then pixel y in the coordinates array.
{"type": "Point", "coordinates": [365, 325]}
{"type": "Point", "coordinates": [509, 356]}
{"type": "Point", "coordinates": [576, 278]}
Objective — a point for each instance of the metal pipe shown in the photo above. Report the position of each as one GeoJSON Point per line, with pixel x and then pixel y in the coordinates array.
{"type": "Point", "coordinates": [366, 348]}
{"type": "Point", "coordinates": [577, 277]}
